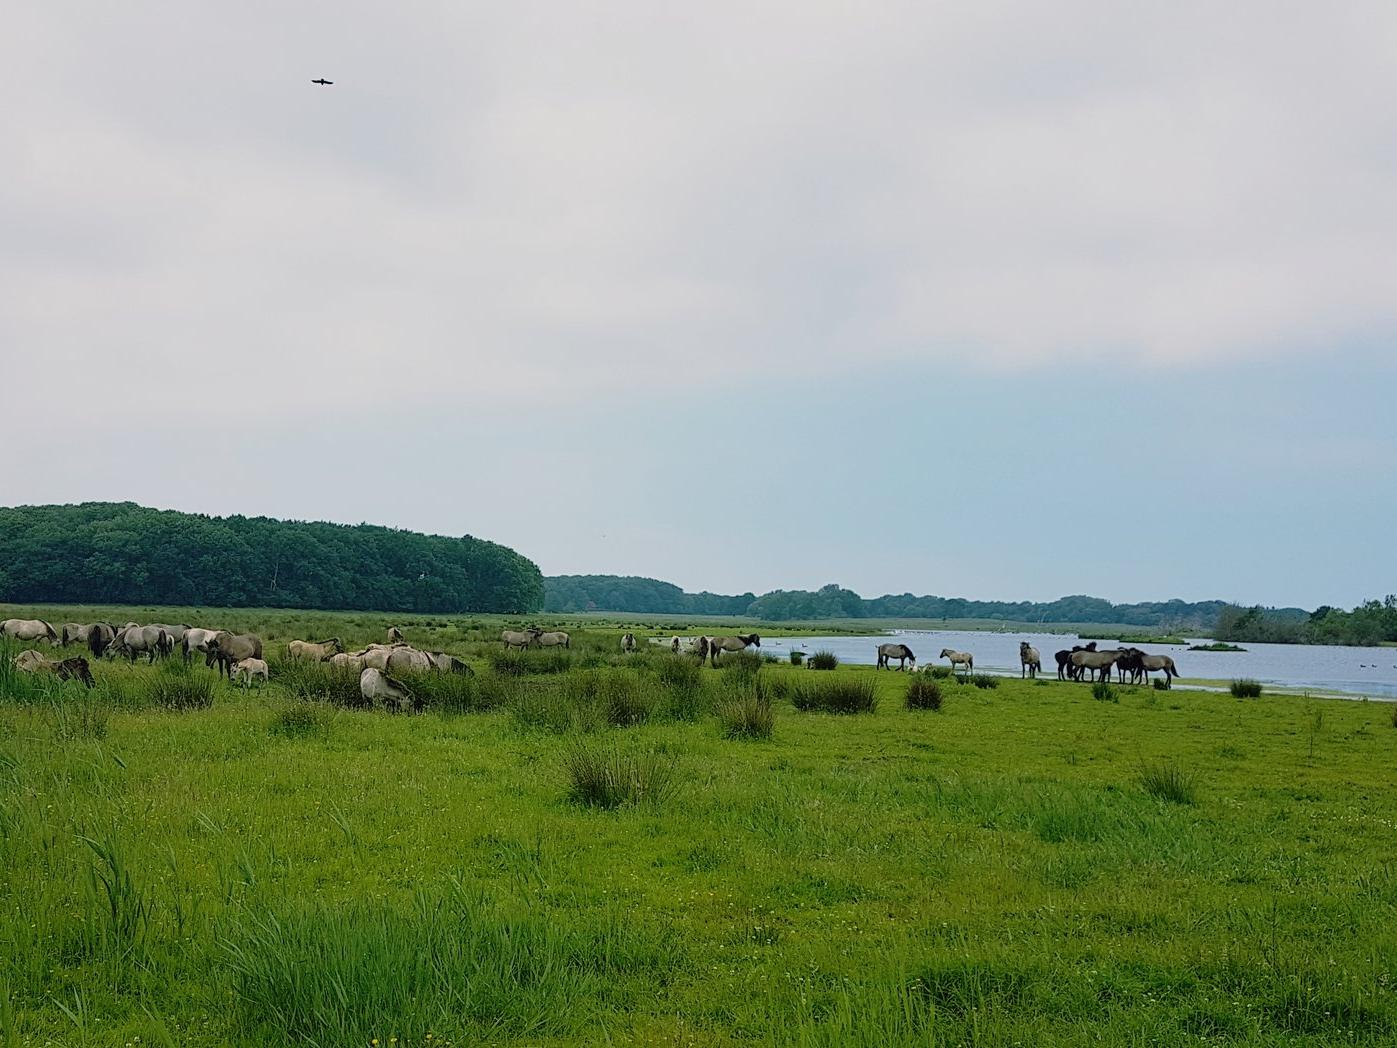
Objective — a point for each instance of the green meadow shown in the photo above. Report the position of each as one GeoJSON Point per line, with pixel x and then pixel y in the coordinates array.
{"type": "Point", "coordinates": [580, 847]}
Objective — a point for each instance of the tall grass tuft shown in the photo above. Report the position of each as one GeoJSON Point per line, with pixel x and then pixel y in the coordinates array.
{"type": "Point", "coordinates": [78, 717]}
{"type": "Point", "coordinates": [514, 663]}
{"type": "Point", "coordinates": [1167, 781]}
{"type": "Point", "coordinates": [602, 775]}
{"type": "Point", "coordinates": [622, 697]}
{"type": "Point", "coordinates": [176, 686]}
{"type": "Point", "coordinates": [941, 673]}
{"type": "Point", "coordinates": [120, 911]}
{"type": "Point", "coordinates": [840, 695]}
{"type": "Point", "coordinates": [1160, 683]}
{"type": "Point", "coordinates": [681, 681]}
{"type": "Point", "coordinates": [1246, 688]}
{"type": "Point", "coordinates": [984, 680]}
{"type": "Point", "coordinates": [741, 663]}
{"type": "Point", "coordinates": [823, 660]}
{"type": "Point", "coordinates": [1102, 691]}
{"type": "Point", "coordinates": [745, 710]}
{"type": "Point", "coordinates": [321, 682]}
{"type": "Point", "coordinates": [299, 720]}
{"type": "Point", "coordinates": [797, 658]}
{"type": "Point", "coordinates": [923, 694]}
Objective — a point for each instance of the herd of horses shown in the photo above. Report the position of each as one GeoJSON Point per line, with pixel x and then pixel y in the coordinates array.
{"type": "Point", "coordinates": [239, 655]}
{"type": "Point", "coordinates": [1078, 663]}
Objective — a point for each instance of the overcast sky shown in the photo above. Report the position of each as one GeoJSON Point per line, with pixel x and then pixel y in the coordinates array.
{"type": "Point", "coordinates": [984, 299]}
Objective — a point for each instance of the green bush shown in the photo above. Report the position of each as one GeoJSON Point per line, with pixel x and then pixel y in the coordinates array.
{"type": "Point", "coordinates": [1246, 688]}
{"type": "Point", "coordinates": [1160, 683]}
{"type": "Point", "coordinates": [1102, 691]}
{"type": "Point", "coordinates": [604, 776]}
{"type": "Point", "coordinates": [622, 697]}
{"type": "Point", "coordinates": [923, 694]}
{"type": "Point", "coordinates": [321, 682]}
{"type": "Point", "coordinates": [797, 658]}
{"type": "Point", "coordinates": [1168, 782]}
{"type": "Point", "coordinates": [840, 695]}
{"type": "Point", "coordinates": [941, 673]}
{"type": "Point", "coordinates": [823, 660]}
{"type": "Point", "coordinates": [984, 680]}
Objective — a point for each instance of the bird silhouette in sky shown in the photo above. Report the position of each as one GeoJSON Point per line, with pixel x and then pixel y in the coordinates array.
{"type": "Point", "coordinates": [323, 81]}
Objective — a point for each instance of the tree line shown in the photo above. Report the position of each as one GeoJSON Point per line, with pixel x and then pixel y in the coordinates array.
{"type": "Point", "coordinates": [1370, 623]}
{"type": "Point", "coordinates": [633, 595]}
{"type": "Point", "coordinates": [122, 553]}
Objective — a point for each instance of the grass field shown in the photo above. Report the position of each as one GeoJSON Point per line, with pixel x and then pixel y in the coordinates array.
{"type": "Point", "coordinates": [1026, 865]}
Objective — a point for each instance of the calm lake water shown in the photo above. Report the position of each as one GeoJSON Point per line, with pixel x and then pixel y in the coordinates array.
{"type": "Point", "coordinates": [1353, 671]}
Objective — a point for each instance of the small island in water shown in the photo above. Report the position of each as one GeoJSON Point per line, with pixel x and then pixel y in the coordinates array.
{"type": "Point", "coordinates": [1215, 646]}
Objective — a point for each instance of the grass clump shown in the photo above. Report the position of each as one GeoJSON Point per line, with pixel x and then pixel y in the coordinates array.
{"type": "Point", "coordinates": [1168, 782]}
{"type": "Point", "coordinates": [514, 663]}
{"type": "Point", "coordinates": [299, 720]}
{"type": "Point", "coordinates": [1246, 688]}
{"type": "Point", "coordinates": [321, 682]}
{"type": "Point", "coordinates": [681, 682]}
{"type": "Point", "coordinates": [797, 658]}
{"type": "Point", "coordinates": [940, 672]}
{"type": "Point", "coordinates": [620, 697]}
{"type": "Point", "coordinates": [179, 687]}
{"type": "Point", "coordinates": [79, 717]}
{"type": "Point", "coordinates": [1160, 683]}
{"type": "Point", "coordinates": [741, 663]}
{"type": "Point", "coordinates": [923, 695]}
{"type": "Point", "coordinates": [842, 695]}
{"type": "Point", "coordinates": [984, 680]}
{"type": "Point", "coordinates": [746, 712]}
{"type": "Point", "coordinates": [823, 660]}
{"type": "Point", "coordinates": [1103, 691]}
{"type": "Point", "coordinates": [604, 776]}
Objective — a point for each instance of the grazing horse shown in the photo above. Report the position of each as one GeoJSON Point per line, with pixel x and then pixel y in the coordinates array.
{"type": "Point", "coordinates": [304, 649]}
{"type": "Point", "coordinates": [901, 652]}
{"type": "Point", "coordinates": [959, 658]}
{"type": "Point", "coordinates": [1029, 661]}
{"type": "Point", "coordinates": [228, 649]}
{"type": "Point", "coordinates": [1130, 662]}
{"type": "Point", "coordinates": [100, 637]}
{"type": "Point", "coordinates": [740, 642]}
{"type": "Point", "coordinates": [408, 660]}
{"type": "Point", "coordinates": [29, 630]}
{"type": "Point", "coordinates": [627, 643]}
{"type": "Point", "coordinates": [450, 664]}
{"type": "Point", "coordinates": [73, 633]}
{"type": "Point", "coordinates": [151, 641]}
{"type": "Point", "coordinates": [1159, 662]}
{"type": "Point", "coordinates": [246, 670]}
{"type": "Point", "coordinates": [556, 639]}
{"type": "Point", "coordinates": [196, 640]}
{"type": "Point", "coordinates": [377, 686]}
{"type": "Point", "coordinates": [395, 635]}
{"type": "Point", "coordinates": [518, 638]}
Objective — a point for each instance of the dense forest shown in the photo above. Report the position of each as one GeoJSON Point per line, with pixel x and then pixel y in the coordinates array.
{"type": "Point", "coordinates": [121, 553]}
{"type": "Point", "coordinates": [628, 594]}
{"type": "Point", "coordinates": [1372, 622]}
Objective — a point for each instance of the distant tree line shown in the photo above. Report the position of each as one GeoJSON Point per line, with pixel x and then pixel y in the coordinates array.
{"type": "Point", "coordinates": [121, 553]}
{"type": "Point", "coordinates": [568, 594]}
{"type": "Point", "coordinates": [573, 593]}
{"type": "Point", "coordinates": [1372, 622]}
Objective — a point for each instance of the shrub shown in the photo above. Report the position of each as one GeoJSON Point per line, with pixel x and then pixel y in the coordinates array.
{"type": "Point", "coordinates": [941, 673]}
{"type": "Point", "coordinates": [797, 658]}
{"type": "Point", "coordinates": [768, 659]}
{"type": "Point", "coordinates": [450, 692]}
{"type": "Point", "coordinates": [1246, 688]}
{"type": "Point", "coordinates": [984, 680]}
{"type": "Point", "coordinates": [1160, 684]}
{"type": "Point", "coordinates": [923, 694]}
{"type": "Point", "coordinates": [823, 660]}
{"type": "Point", "coordinates": [747, 713]}
{"type": "Point", "coordinates": [298, 719]}
{"type": "Point", "coordinates": [842, 695]}
{"type": "Point", "coordinates": [179, 687]}
{"type": "Point", "coordinates": [1168, 782]}
{"type": "Point", "coordinates": [1102, 691]}
{"type": "Point", "coordinates": [604, 776]}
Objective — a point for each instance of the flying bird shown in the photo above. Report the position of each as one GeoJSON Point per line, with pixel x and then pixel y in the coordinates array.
{"type": "Point", "coordinates": [323, 81]}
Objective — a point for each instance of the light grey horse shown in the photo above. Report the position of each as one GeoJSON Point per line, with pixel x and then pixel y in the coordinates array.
{"type": "Point", "coordinates": [518, 638]}
{"type": "Point", "coordinates": [627, 643]}
{"type": "Point", "coordinates": [29, 630]}
{"type": "Point", "coordinates": [901, 652]}
{"type": "Point", "coordinates": [740, 642]}
{"type": "Point", "coordinates": [1029, 661]}
{"type": "Point", "coordinates": [959, 658]}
